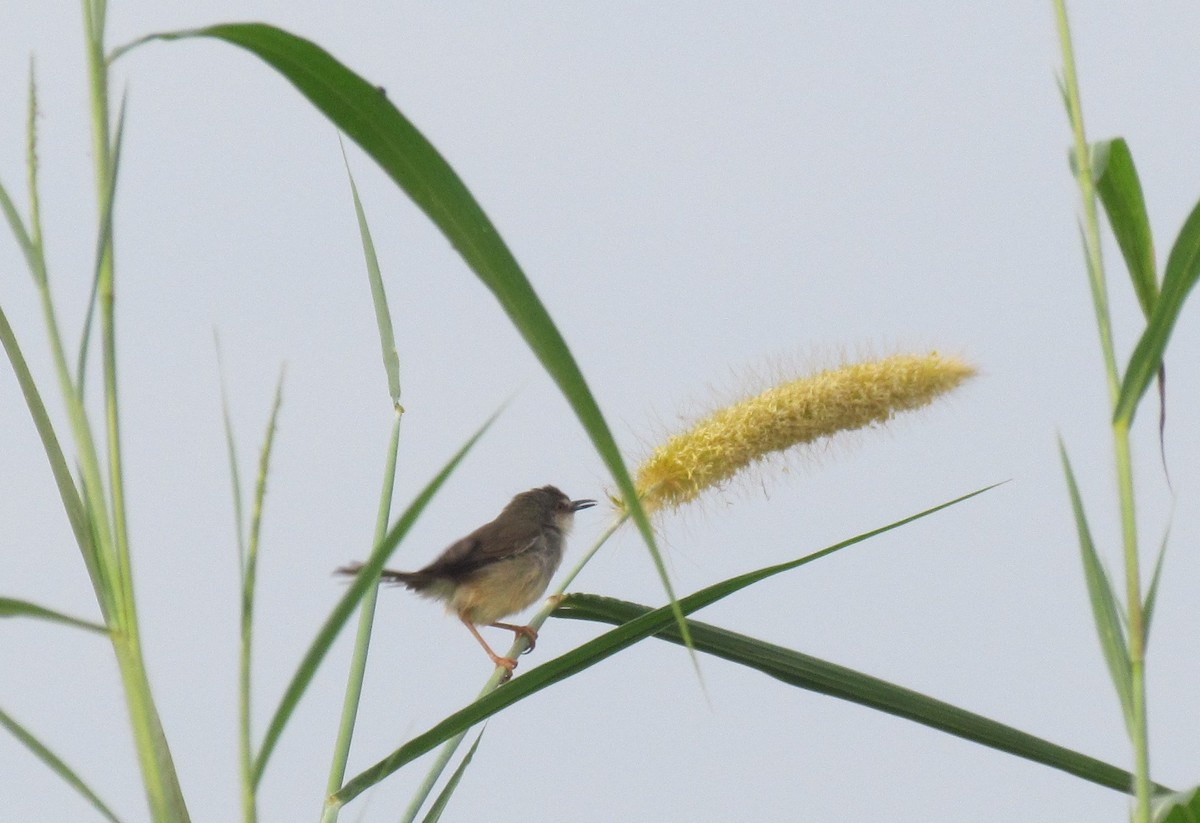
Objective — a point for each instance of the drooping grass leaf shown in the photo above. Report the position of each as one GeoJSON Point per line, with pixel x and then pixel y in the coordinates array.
{"type": "Point", "coordinates": [1178, 807]}
{"type": "Point", "coordinates": [56, 765]}
{"type": "Point", "coordinates": [367, 577]}
{"type": "Point", "coordinates": [1180, 275]}
{"type": "Point", "coordinates": [443, 798]}
{"type": "Point", "coordinates": [383, 315]}
{"type": "Point", "coordinates": [586, 656]}
{"type": "Point", "coordinates": [11, 607]}
{"type": "Point", "coordinates": [816, 675]}
{"type": "Point", "coordinates": [1104, 603]}
{"type": "Point", "coordinates": [1120, 193]}
{"type": "Point", "coordinates": [364, 113]}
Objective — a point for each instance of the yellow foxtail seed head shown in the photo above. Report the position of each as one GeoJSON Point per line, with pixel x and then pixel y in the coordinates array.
{"type": "Point", "coordinates": [800, 411]}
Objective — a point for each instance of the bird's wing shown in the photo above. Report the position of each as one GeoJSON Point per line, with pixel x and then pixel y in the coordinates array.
{"type": "Point", "coordinates": [484, 546]}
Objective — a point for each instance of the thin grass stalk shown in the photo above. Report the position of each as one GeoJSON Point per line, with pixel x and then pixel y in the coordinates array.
{"type": "Point", "coordinates": [89, 465]}
{"type": "Point", "coordinates": [362, 640]}
{"type": "Point", "coordinates": [518, 647]}
{"type": "Point", "coordinates": [158, 770]}
{"type": "Point", "coordinates": [1133, 597]}
{"type": "Point", "coordinates": [249, 577]}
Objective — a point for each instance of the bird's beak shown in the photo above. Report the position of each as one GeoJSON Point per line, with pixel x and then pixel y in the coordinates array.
{"type": "Point", "coordinates": [576, 505]}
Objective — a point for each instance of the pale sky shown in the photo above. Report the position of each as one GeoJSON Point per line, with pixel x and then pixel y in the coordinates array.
{"type": "Point", "coordinates": [706, 197]}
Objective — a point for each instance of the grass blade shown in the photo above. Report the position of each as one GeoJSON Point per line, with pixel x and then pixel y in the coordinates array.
{"type": "Point", "coordinates": [1152, 592]}
{"type": "Point", "coordinates": [11, 607]}
{"type": "Point", "coordinates": [1180, 275]}
{"type": "Point", "coordinates": [383, 315]}
{"type": "Point", "coordinates": [235, 477]}
{"type": "Point", "coordinates": [1120, 193]}
{"type": "Point", "coordinates": [67, 491]}
{"type": "Point", "coordinates": [439, 805]}
{"type": "Point", "coordinates": [817, 675]}
{"type": "Point", "coordinates": [249, 578]}
{"type": "Point", "coordinates": [103, 249]}
{"type": "Point", "coordinates": [588, 655]}
{"type": "Point", "coordinates": [56, 765]}
{"type": "Point", "coordinates": [366, 615]}
{"type": "Point", "coordinates": [367, 117]}
{"type": "Point", "coordinates": [1104, 603]}
{"type": "Point", "coordinates": [17, 225]}
{"type": "Point", "coordinates": [367, 577]}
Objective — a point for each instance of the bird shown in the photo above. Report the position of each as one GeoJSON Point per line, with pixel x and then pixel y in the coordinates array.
{"type": "Point", "coordinates": [500, 568]}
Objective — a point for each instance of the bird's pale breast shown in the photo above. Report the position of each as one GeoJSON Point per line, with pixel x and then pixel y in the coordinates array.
{"type": "Point", "coordinates": [505, 587]}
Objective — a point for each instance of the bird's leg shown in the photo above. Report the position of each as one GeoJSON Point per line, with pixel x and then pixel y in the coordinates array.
{"type": "Point", "coordinates": [528, 632]}
{"type": "Point", "coordinates": [506, 663]}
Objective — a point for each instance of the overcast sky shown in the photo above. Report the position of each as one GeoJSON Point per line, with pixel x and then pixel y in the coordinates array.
{"type": "Point", "coordinates": [707, 197]}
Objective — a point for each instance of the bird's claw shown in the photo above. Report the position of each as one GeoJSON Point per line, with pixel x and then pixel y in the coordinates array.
{"type": "Point", "coordinates": [508, 664]}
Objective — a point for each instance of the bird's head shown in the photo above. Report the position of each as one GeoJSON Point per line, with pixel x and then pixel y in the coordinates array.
{"type": "Point", "coordinates": [550, 506]}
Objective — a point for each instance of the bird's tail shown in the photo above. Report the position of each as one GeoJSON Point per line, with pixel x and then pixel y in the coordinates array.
{"type": "Point", "coordinates": [412, 580]}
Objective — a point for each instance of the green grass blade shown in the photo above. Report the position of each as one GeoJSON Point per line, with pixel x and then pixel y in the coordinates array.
{"type": "Point", "coordinates": [103, 248]}
{"type": "Point", "coordinates": [817, 675]}
{"type": "Point", "coordinates": [1178, 807]}
{"type": "Point", "coordinates": [367, 577]}
{"type": "Point", "coordinates": [17, 225]}
{"type": "Point", "coordinates": [1152, 592]}
{"type": "Point", "coordinates": [362, 112]}
{"type": "Point", "coordinates": [11, 607]}
{"type": "Point", "coordinates": [67, 491]}
{"type": "Point", "coordinates": [1120, 193]}
{"type": "Point", "coordinates": [1104, 603]}
{"type": "Point", "coordinates": [249, 578]}
{"type": "Point", "coordinates": [443, 798]}
{"type": "Point", "coordinates": [588, 655]}
{"type": "Point", "coordinates": [1180, 275]}
{"type": "Point", "coordinates": [235, 477]}
{"type": "Point", "coordinates": [383, 315]}
{"type": "Point", "coordinates": [56, 765]}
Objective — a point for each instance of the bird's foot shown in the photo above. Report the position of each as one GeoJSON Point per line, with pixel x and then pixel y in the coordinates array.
{"type": "Point", "coordinates": [506, 663]}
{"type": "Point", "coordinates": [528, 632]}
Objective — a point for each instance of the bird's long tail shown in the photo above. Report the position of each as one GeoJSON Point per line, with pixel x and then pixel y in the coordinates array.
{"type": "Point", "coordinates": [413, 580]}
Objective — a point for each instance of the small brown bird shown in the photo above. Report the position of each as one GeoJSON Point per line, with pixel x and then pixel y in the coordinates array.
{"type": "Point", "coordinates": [500, 568]}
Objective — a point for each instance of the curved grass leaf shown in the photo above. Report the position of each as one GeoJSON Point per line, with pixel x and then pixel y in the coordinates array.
{"type": "Point", "coordinates": [56, 765]}
{"type": "Point", "coordinates": [1104, 603]}
{"type": "Point", "coordinates": [817, 675]}
{"type": "Point", "coordinates": [10, 607]}
{"type": "Point", "coordinates": [1180, 275]}
{"type": "Point", "coordinates": [586, 656]}
{"type": "Point", "coordinates": [363, 112]}
{"type": "Point", "coordinates": [367, 577]}
{"type": "Point", "coordinates": [1120, 193]}
{"type": "Point", "coordinates": [1178, 807]}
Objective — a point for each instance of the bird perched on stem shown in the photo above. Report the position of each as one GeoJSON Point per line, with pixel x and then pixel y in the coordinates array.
{"type": "Point", "coordinates": [500, 568]}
